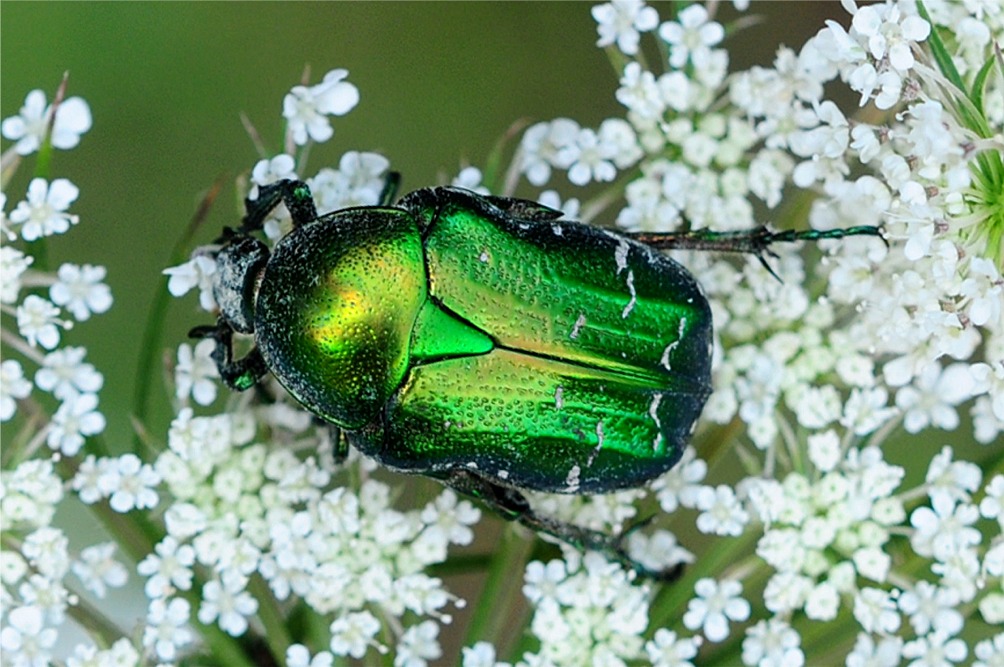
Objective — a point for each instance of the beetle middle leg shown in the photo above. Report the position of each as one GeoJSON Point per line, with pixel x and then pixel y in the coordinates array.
{"type": "Point", "coordinates": [513, 506]}
{"type": "Point", "coordinates": [240, 374]}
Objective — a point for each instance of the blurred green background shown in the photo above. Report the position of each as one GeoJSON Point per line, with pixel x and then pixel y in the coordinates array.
{"type": "Point", "coordinates": [166, 82]}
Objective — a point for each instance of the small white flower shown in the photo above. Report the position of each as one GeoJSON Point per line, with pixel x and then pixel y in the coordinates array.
{"type": "Point", "coordinates": [591, 159]}
{"type": "Point", "coordinates": [79, 289]}
{"type": "Point", "coordinates": [715, 605]}
{"type": "Point", "coordinates": [452, 516]}
{"type": "Point", "coordinates": [13, 263]}
{"type": "Point", "coordinates": [46, 550]}
{"type": "Point", "coordinates": [935, 650]}
{"type": "Point", "coordinates": [359, 181]}
{"type": "Point", "coordinates": [824, 450]}
{"type": "Point", "coordinates": [866, 410]}
{"type": "Point", "coordinates": [98, 570]}
{"type": "Point", "coordinates": [25, 639]}
{"type": "Point", "coordinates": [13, 386]}
{"type": "Point", "coordinates": [621, 21]}
{"type": "Point", "coordinates": [298, 655]}
{"type": "Point", "coordinates": [875, 610]}
{"type": "Point", "coordinates": [772, 642]}
{"type": "Point", "coordinates": [547, 145]}
{"type": "Point", "coordinates": [640, 92]}
{"type": "Point", "coordinates": [121, 654]}
{"type": "Point", "coordinates": [958, 479]}
{"type": "Point", "coordinates": [931, 400]}
{"type": "Point", "coordinates": [128, 482]}
{"type": "Point", "coordinates": [989, 652]}
{"type": "Point", "coordinates": [681, 485]}
{"type": "Point", "coordinates": [167, 627]}
{"type": "Point", "coordinates": [196, 372]}
{"type": "Point", "coordinates": [306, 108]}
{"type": "Point", "coordinates": [721, 511]}
{"type": "Point", "coordinates": [482, 654]}
{"type": "Point", "coordinates": [665, 649]}
{"type": "Point", "coordinates": [542, 581]}
{"type": "Point", "coordinates": [196, 272]}
{"type": "Point", "coordinates": [352, 634]}
{"type": "Point", "coordinates": [39, 323]}
{"type": "Point", "coordinates": [43, 212]}
{"type": "Point", "coordinates": [660, 551]}
{"type": "Point", "coordinates": [271, 170]}
{"type": "Point", "coordinates": [28, 128]}
{"type": "Point", "coordinates": [168, 569]}
{"type": "Point", "coordinates": [65, 374]}
{"type": "Point", "coordinates": [889, 34]}
{"type": "Point", "coordinates": [76, 418]}
{"type": "Point", "coordinates": [945, 528]}
{"type": "Point", "coordinates": [418, 645]}
{"type": "Point", "coordinates": [992, 505]}
{"type": "Point", "coordinates": [87, 480]}
{"type": "Point", "coordinates": [867, 653]}
{"type": "Point", "coordinates": [470, 178]}
{"type": "Point", "coordinates": [692, 36]}
{"type": "Point", "coordinates": [931, 607]}
{"type": "Point", "coordinates": [227, 600]}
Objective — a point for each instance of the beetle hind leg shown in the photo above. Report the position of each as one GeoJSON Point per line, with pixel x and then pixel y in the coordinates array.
{"type": "Point", "coordinates": [513, 506]}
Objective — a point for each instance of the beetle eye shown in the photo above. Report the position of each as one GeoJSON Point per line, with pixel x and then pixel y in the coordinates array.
{"type": "Point", "coordinates": [237, 267]}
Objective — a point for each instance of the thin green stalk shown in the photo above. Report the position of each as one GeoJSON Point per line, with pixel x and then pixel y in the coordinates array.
{"type": "Point", "coordinates": [500, 597]}
{"type": "Point", "coordinates": [671, 600]}
{"type": "Point", "coordinates": [150, 343]}
{"type": "Point", "coordinates": [276, 633]}
{"type": "Point", "coordinates": [94, 621]}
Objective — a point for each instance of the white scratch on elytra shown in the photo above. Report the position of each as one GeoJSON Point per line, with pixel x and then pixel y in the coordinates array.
{"type": "Point", "coordinates": [559, 397]}
{"type": "Point", "coordinates": [681, 327]}
{"type": "Point", "coordinates": [653, 412]}
{"type": "Point", "coordinates": [634, 297]}
{"type": "Point", "coordinates": [600, 437]}
{"type": "Point", "coordinates": [621, 254]}
{"type": "Point", "coordinates": [579, 323]}
{"type": "Point", "coordinates": [572, 480]}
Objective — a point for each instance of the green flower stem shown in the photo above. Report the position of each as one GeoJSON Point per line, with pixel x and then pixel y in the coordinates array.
{"type": "Point", "coordinates": [460, 564]}
{"type": "Point", "coordinates": [150, 344]}
{"type": "Point", "coordinates": [837, 636]}
{"type": "Point", "coordinates": [729, 652]}
{"type": "Point", "coordinates": [137, 536]}
{"type": "Point", "coordinates": [225, 649]}
{"type": "Point", "coordinates": [671, 600]}
{"type": "Point", "coordinates": [276, 633]}
{"type": "Point", "coordinates": [596, 205]}
{"type": "Point", "coordinates": [132, 532]}
{"type": "Point", "coordinates": [501, 596]}
{"type": "Point", "coordinates": [94, 621]}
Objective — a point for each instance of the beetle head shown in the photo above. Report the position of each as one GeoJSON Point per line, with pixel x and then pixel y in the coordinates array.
{"type": "Point", "coordinates": [239, 266]}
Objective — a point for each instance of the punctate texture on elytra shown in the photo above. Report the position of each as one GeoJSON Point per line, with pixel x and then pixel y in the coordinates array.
{"type": "Point", "coordinates": [454, 331]}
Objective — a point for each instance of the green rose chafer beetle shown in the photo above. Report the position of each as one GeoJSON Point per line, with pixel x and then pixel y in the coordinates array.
{"type": "Point", "coordinates": [480, 340]}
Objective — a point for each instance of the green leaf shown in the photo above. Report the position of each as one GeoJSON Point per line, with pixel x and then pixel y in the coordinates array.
{"type": "Point", "coordinates": [938, 50]}
{"type": "Point", "coordinates": [980, 83]}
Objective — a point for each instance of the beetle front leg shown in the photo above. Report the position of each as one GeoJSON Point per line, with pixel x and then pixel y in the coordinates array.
{"type": "Point", "coordinates": [513, 506]}
{"type": "Point", "coordinates": [294, 194]}
{"type": "Point", "coordinates": [241, 374]}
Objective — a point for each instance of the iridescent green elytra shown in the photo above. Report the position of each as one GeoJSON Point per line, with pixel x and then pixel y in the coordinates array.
{"type": "Point", "coordinates": [479, 340]}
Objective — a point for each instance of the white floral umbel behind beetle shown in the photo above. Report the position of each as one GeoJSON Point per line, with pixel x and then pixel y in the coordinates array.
{"type": "Point", "coordinates": [825, 549]}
